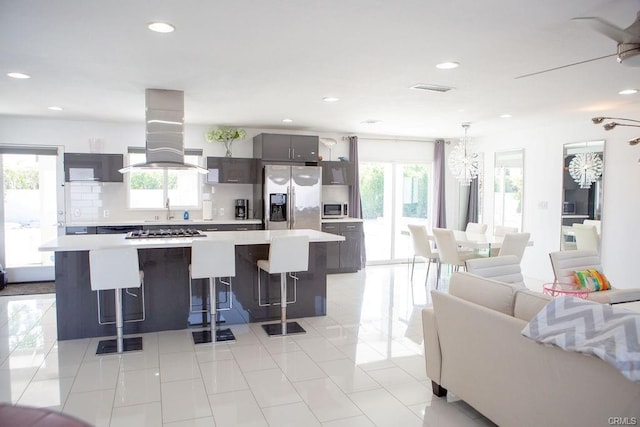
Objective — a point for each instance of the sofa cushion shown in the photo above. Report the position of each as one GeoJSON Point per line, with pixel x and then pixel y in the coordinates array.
{"type": "Point", "coordinates": [486, 292]}
{"type": "Point", "coordinates": [615, 296]}
{"type": "Point", "coordinates": [528, 304]}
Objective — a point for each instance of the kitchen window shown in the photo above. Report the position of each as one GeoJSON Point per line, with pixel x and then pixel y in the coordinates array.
{"type": "Point", "coordinates": [150, 189]}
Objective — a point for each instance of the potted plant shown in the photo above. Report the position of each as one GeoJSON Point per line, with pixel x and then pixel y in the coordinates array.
{"type": "Point", "coordinates": [226, 135]}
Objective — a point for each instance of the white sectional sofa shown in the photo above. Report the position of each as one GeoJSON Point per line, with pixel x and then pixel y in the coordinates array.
{"type": "Point", "coordinates": [474, 348]}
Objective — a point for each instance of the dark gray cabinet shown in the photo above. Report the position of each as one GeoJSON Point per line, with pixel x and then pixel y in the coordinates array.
{"type": "Point", "coordinates": [278, 147]}
{"type": "Point", "coordinates": [93, 167]}
{"type": "Point", "coordinates": [333, 248]}
{"type": "Point", "coordinates": [337, 173]}
{"type": "Point", "coordinates": [344, 257]}
{"type": "Point", "coordinates": [80, 230]}
{"type": "Point", "coordinates": [226, 227]}
{"type": "Point", "coordinates": [206, 227]}
{"type": "Point", "coordinates": [230, 170]}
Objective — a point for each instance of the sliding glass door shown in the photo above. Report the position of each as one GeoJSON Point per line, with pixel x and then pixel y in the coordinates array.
{"type": "Point", "coordinates": [393, 195]}
{"type": "Point", "coordinates": [32, 211]}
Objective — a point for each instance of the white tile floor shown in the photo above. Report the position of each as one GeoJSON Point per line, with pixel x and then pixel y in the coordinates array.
{"type": "Point", "coordinates": [361, 365]}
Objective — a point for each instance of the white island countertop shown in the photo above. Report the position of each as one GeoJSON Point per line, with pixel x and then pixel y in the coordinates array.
{"type": "Point", "coordinates": [88, 242]}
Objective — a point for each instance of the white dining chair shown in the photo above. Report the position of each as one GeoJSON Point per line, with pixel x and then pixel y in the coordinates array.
{"type": "Point", "coordinates": [474, 227]}
{"type": "Point", "coordinates": [501, 230]}
{"type": "Point", "coordinates": [422, 247]}
{"type": "Point", "coordinates": [448, 251]}
{"type": "Point", "coordinates": [514, 244]}
{"type": "Point", "coordinates": [594, 222]}
{"type": "Point", "coordinates": [587, 238]}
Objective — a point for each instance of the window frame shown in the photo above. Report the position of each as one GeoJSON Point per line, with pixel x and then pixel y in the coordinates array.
{"type": "Point", "coordinates": [199, 160]}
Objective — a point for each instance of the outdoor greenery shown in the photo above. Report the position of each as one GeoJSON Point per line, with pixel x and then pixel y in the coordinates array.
{"type": "Point", "coordinates": [372, 190]}
{"type": "Point", "coordinates": [416, 185]}
{"type": "Point", "coordinates": [21, 179]}
{"type": "Point", "coordinates": [512, 185]}
{"type": "Point", "coordinates": [151, 181]}
{"type": "Point", "coordinates": [415, 191]}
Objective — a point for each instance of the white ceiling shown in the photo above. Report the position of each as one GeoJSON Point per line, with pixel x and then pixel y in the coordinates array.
{"type": "Point", "coordinates": [253, 63]}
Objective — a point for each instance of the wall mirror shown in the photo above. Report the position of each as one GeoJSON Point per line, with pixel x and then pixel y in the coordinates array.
{"type": "Point", "coordinates": [508, 189]}
{"type": "Point", "coordinates": [582, 190]}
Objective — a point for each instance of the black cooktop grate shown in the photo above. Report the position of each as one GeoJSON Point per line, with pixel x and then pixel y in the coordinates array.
{"type": "Point", "coordinates": [164, 233]}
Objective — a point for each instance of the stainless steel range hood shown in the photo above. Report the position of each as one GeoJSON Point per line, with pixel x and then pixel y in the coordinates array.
{"type": "Point", "coordinates": [164, 132]}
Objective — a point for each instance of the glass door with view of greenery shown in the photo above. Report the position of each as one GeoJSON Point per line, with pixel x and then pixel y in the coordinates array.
{"type": "Point", "coordinates": [30, 212]}
{"type": "Point", "coordinates": [150, 189]}
{"type": "Point", "coordinates": [508, 188]}
{"type": "Point", "coordinates": [393, 195]}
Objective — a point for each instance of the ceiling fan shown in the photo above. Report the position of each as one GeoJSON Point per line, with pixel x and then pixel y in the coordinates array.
{"type": "Point", "coordinates": [628, 39]}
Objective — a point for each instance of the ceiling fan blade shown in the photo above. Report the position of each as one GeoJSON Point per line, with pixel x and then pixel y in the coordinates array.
{"type": "Point", "coordinates": [608, 29]}
{"type": "Point", "coordinates": [634, 29]}
{"type": "Point", "coordinates": [565, 66]}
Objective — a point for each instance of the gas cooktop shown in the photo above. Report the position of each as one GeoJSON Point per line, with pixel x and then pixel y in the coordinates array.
{"type": "Point", "coordinates": [164, 233]}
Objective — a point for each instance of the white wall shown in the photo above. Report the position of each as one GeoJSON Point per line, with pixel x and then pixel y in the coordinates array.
{"type": "Point", "coordinates": [543, 158]}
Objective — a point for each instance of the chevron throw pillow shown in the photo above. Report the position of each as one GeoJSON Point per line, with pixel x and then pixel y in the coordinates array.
{"type": "Point", "coordinates": [591, 279]}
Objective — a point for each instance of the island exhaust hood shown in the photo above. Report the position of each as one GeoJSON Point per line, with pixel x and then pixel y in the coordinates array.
{"type": "Point", "coordinates": [164, 132]}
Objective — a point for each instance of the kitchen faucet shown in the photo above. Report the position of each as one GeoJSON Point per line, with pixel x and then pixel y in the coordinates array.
{"type": "Point", "coordinates": [168, 206]}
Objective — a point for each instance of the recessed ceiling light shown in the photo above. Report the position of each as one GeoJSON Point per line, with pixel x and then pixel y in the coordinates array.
{"type": "Point", "coordinates": [161, 27]}
{"type": "Point", "coordinates": [55, 108]}
{"type": "Point", "coordinates": [19, 75]}
{"type": "Point", "coordinates": [287, 120]}
{"type": "Point", "coordinates": [506, 116]}
{"type": "Point", "coordinates": [447, 65]}
{"type": "Point", "coordinates": [330, 99]}
{"type": "Point", "coordinates": [628, 92]}
{"type": "Point", "coordinates": [370, 122]}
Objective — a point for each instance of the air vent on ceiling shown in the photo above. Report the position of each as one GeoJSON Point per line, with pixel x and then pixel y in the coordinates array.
{"type": "Point", "coordinates": [435, 88]}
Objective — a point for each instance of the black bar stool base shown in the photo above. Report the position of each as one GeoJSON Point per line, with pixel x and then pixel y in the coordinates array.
{"type": "Point", "coordinates": [274, 329]}
{"type": "Point", "coordinates": [111, 346]}
{"type": "Point", "coordinates": [222, 335]}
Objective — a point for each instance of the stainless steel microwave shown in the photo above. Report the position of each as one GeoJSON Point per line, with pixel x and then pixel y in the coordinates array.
{"type": "Point", "coordinates": [335, 210]}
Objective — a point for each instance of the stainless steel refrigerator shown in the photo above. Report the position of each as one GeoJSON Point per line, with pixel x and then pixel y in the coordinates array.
{"type": "Point", "coordinates": [291, 196]}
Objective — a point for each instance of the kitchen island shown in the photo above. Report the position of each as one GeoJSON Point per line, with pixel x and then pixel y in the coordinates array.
{"type": "Point", "coordinates": [165, 263]}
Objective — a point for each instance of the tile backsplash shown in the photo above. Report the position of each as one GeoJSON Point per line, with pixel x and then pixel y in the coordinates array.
{"type": "Point", "coordinates": [84, 201]}
{"type": "Point", "coordinates": [107, 202]}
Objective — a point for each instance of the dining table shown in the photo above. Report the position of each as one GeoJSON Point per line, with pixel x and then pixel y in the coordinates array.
{"type": "Point", "coordinates": [474, 241]}
{"type": "Point", "coordinates": [477, 241]}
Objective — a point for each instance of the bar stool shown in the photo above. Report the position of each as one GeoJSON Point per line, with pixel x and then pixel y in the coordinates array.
{"type": "Point", "coordinates": [211, 260]}
{"type": "Point", "coordinates": [287, 254]}
{"type": "Point", "coordinates": [116, 269]}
